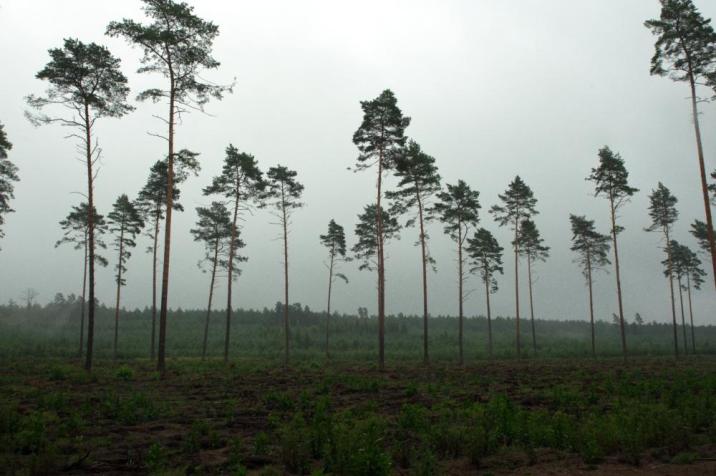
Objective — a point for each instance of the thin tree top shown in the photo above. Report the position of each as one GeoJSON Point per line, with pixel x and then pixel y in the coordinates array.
{"type": "Point", "coordinates": [381, 135]}
{"type": "Point", "coordinates": [611, 178]}
{"type": "Point", "coordinates": [366, 231]}
{"type": "Point", "coordinates": [486, 255]}
{"type": "Point", "coordinates": [75, 226]}
{"type": "Point", "coordinates": [418, 179]}
{"type": "Point", "coordinates": [591, 246]}
{"type": "Point", "coordinates": [335, 239]}
{"type": "Point", "coordinates": [5, 144]}
{"type": "Point", "coordinates": [518, 203]}
{"type": "Point", "coordinates": [283, 188]}
{"type": "Point", "coordinates": [531, 244]}
{"type": "Point", "coordinates": [240, 176]}
{"type": "Point", "coordinates": [153, 195]}
{"type": "Point", "coordinates": [662, 209]}
{"type": "Point", "coordinates": [176, 44]}
{"type": "Point", "coordinates": [686, 41]}
{"type": "Point", "coordinates": [82, 75]}
{"type": "Point", "coordinates": [458, 208]}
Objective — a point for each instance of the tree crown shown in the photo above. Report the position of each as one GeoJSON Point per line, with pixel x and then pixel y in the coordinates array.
{"type": "Point", "coordinates": [518, 203]}
{"type": "Point", "coordinates": [611, 178]}
{"type": "Point", "coordinates": [662, 209]}
{"type": "Point", "coordinates": [458, 209]}
{"type": "Point", "coordinates": [366, 232]}
{"type": "Point", "coordinates": [486, 256]}
{"type": "Point", "coordinates": [591, 246]}
{"type": "Point", "coordinates": [531, 244]}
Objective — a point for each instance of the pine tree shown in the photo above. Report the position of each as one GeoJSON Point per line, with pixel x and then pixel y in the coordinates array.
{"type": "Point", "coordinates": [518, 204]}
{"type": "Point", "coordinates": [592, 249]}
{"type": "Point", "coordinates": [532, 247]}
{"type": "Point", "coordinates": [458, 209]}
{"type": "Point", "coordinates": [611, 181]}
{"type": "Point", "coordinates": [486, 255]}
{"type": "Point", "coordinates": [76, 233]}
{"type": "Point", "coordinates": [214, 229]}
{"type": "Point", "coordinates": [177, 45]}
{"type": "Point", "coordinates": [8, 175]}
{"type": "Point", "coordinates": [125, 223]}
{"type": "Point", "coordinates": [686, 267]}
{"type": "Point", "coordinates": [685, 50]}
{"type": "Point", "coordinates": [663, 213]}
{"type": "Point", "coordinates": [283, 192]}
{"type": "Point", "coordinates": [87, 81]}
{"type": "Point", "coordinates": [240, 182]}
{"type": "Point", "coordinates": [699, 231]}
{"type": "Point", "coordinates": [335, 241]}
{"type": "Point", "coordinates": [419, 182]}
{"type": "Point", "coordinates": [152, 202]}
{"type": "Point", "coordinates": [380, 139]}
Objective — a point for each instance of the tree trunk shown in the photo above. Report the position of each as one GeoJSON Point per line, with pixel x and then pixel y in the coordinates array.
{"type": "Point", "coordinates": [489, 316]}
{"type": "Point", "coordinates": [381, 268]}
{"type": "Point", "coordinates": [460, 293]}
{"type": "Point", "coordinates": [424, 256]}
{"type": "Point", "coordinates": [161, 359]}
{"type": "Point", "coordinates": [702, 170]}
{"type": "Point", "coordinates": [671, 291]}
{"type": "Point", "coordinates": [84, 291]}
{"type": "Point", "coordinates": [532, 311]}
{"type": "Point", "coordinates": [683, 317]}
{"type": "Point", "coordinates": [90, 232]}
{"type": "Point", "coordinates": [211, 295]}
{"type": "Point", "coordinates": [618, 276]}
{"type": "Point", "coordinates": [591, 302]}
{"type": "Point", "coordinates": [152, 352]}
{"type": "Point", "coordinates": [119, 287]}
{"type": "Point", "coordinates": [285, 278]}
{"type": "Point", "coordinates": [691, 314]}
{"type": "Point", "coordinates": [517, 290]}
{"type": "Point", "coordinates": [230, 278]}
{"type": "Point", "coordinates": [328, 306]}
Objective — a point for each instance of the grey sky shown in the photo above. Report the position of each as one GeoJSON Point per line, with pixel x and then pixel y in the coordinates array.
{"type": "Point", "coordinates": [494, 88]}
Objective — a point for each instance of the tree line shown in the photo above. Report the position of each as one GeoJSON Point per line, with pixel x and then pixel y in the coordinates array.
{"type": "Point", "coordinates": [85, 84]}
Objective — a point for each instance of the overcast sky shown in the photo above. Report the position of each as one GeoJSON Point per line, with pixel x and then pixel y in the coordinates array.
{"type": "Point", "coordinates": [495, 88]}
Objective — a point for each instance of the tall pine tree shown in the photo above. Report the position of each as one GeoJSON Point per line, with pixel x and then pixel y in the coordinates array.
{"type": "Point", "coordinates": [532, 247]}
{"type": "Point", "coordinates": [335, 241]}
{"type": "Point", "coordinates": [486, 255]}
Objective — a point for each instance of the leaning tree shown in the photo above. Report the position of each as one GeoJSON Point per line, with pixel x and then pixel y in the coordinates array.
{"type": "Point", "coordinates": [518, 204]}
{"type": "Point", "coordinates": [151, 202]}
{"type": "Point", "coordinates": [125, 223]}
{"type": "Point", "coordinates": [592, 249]}
{"type": "Point", "coordinates": [87, 81]}
{"type": "Point", "coordinates": [419, 182]}
{"type": "Point", "coordinates": [76, 233]}
{"type": "Point", "coordinates": [699, 231]}
{"type": "Point", "coordinates": [178, 46]}
{"type": "Point", "coordinates": [214, 229]}
{"type": "Point", "coordinates": [685, 50]}
{"type": "Point", "coordinates": [531, 247]}
{"type": "Point", "coordinates": [663, 214]}
{"type": "Point", "coordinates": [8, 175]}
{"type": "Point", "coordinates": [283, 193]}
{"type": "Point", "coordinates": [380, 139]}
{"type": "Point", "coordinates": [486, 257]}
{"type": "Point", "coordinates": [610, 179]}
{"type": "Point", "coordinates": [458, 209]}
{"type": "Point", "coordinates": [335, 241]}
{"type": "Point", "coordinates": [241, 182]}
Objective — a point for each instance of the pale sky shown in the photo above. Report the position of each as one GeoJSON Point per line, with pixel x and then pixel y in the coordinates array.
{"type": "Point", "coordinates": [495, 88]}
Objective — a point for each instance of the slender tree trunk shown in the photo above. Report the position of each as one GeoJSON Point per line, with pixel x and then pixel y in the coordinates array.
{"type": "Point", "coordinates": [671, 291]}
{"type": "Point", "coordinates": [161, 358]}
{"type": "Point", "coordinates": [460, 293]}
{"type": "Point", "coordinates": [683, 317]}
{"type": "Point", "coordinates": [328, 306]}
{"type": "Point", "coordinates": [424, 256]}
{"type": "Point", "coordinates": [84, 291]}
{"type": "Point", "coordinates": [119, 287]}
{"type": "Point", "coordinates": [211, 295]}
{"type": "Point", "coordinates": [517, 290]}
{"type": "Point", "coordinates": [691, 314]}
{"type": "Point", "coordinates": [90, 232]}
{"type": "Point", "coordinates": [532, 311]}
{"type": "Point", "coordinates": [152, 352]}
{"type": "Point", "coordinates": [591, 302]}
{"type": "Point", "coordinates": [230, 274]}
{"type": "Point", "coordinates": [702, 170]}
{"type": "Point", "coordinates": [489, 316]}
{"type": "Point", "coordinates": [381, 268]}
{"type": "Point", "coordinates": [285, 277]}
{"type": "Point", "coordinates": [618, 275]}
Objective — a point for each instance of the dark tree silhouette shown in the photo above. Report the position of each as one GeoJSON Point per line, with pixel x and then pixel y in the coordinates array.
{"type": "Point", "coordinates": [663, 214]}
{"type": "Point", "coordinates": [458, 208]}
{"type": "Point", "coordinates": [518, 204]}
{"type": "Point", "coordinates": [335, 241]}
{"type": "Point", "coordinates": [215, 230]}
{"type": "Point", "coordinates": [283, 193]}
{"type": "Point", "coordinates": [152, 202]}
{"type": "Point", "coordinates": [177, 45]}
{"type": "Point", "coordinates": [76, 231]}
{"type": "Point", "coordinates": [8, 175]}
{"type": "Point", "coordinates": [611, 181]}
{"type": "Point", "coordinates": [685, 50]}
{"type": "Point", "coordinates": [125, 223]}
{"type": "Point", "coordinates": [486, 257]}
{"type": "Point", "coordinates": [686, 266]}
{"type": "Point", "coordinates": [419, 182]}
{"type": "Point", "coordinates": [699, 231]}
{"type": "Point", "coordinates": [532, 247]}
{"type": "Point", "coordinates": [592, 249]}
{"type": "Point", "coordinates": [380, 139]}
{"type": "Point", "coordinates": [242, 183]}
{"type": "Point", "coordinates": [86, 80]}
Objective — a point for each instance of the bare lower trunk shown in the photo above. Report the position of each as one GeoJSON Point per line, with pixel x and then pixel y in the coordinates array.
{"type": "Point", "coordinates": [152, 351]}
{"type": "Point", "coordinates": [489, 317]}
{"type": "Point", "coordinates": [618, 276]}
{"type": "Point", "coordinates": [90, 233]}
{"type": "Point", "coordinates": [285, 280]}
{"type": "Point", "coordinates": [381, 268]}
{"type": "Point", "coordinates": [119, 287]}
{"type": "Point", "coordinates": [591, 303]}
{"type": "Point", "coordinates": [683, 316]}
{"type": "Point", "coordinates": [461, 359]}
{"type": "Point", "coordinates": [424, 256]}
{"type": "Point", "coordinates": [518, 347]}
{"type": "Point", "coordinates": [671, 291]}
{"type": "Point", "coordinates": [532, 311]}
{"type": "Point", "coordinates": [211, 295]}
{"type": "Point", "coordinates": [328, 306]}
{"type": "Point", "coordinates": [230, 275]}
{"type": "Point", "coordinates": [691, 314]}
{"type": "Point", "coordinates": [82, 311]}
